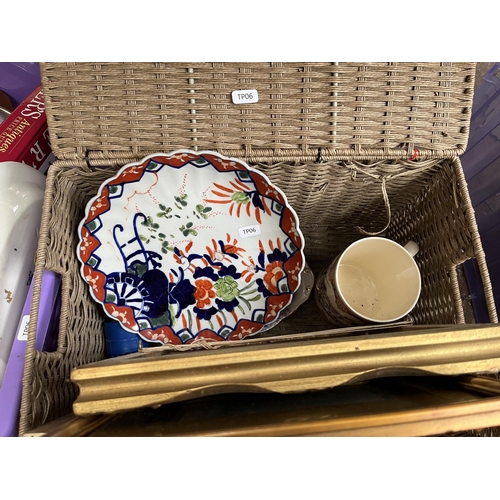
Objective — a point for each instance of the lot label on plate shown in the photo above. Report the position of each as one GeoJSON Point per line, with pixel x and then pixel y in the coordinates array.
{"type": "Point", "coordinates": [248, 231]}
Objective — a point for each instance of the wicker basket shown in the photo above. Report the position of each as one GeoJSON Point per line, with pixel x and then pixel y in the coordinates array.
{"type": "Point", "coordinates": [356, 147]}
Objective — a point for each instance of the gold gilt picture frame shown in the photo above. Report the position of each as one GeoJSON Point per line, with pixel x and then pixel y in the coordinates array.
{"type": "Point", "coordinates": [157, 376]}
{"type": "Point", "coordinates": [464, 405]}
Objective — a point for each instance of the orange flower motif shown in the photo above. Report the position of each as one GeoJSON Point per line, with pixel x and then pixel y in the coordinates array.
{"type": "Point", "coordinates": [238, 197]}
{"type": "Point", "coordinates": [204, 292]}
{"type": "Point", "coordinates": [274, 272]}
{"type": "Point", "coordinates": [249, 270]}
{"type": "Point", "coordinates": [218, 252]}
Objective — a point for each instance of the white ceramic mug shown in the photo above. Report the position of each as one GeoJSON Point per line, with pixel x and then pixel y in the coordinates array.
{"type": "Point", "coordinates": [374, 280]}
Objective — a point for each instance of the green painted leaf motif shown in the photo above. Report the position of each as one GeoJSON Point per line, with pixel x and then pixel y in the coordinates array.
{"type": "Point", "coordinates": [110, 297]}
{"type": "Point", "coordinates": [91, 225]}
{"type": "Point", "coordinates": [245, 301]}
{"type": "Point", "coordinates": [138, 269]}
{"type": "Point", "coordinates": [153, 165]}
{"type": "Point", "coordinates": [187, 229]}
{"type": "Point", "coordinates": [226, 288]}
{"type": "Point", "coordinates": [240, 197]}
{"type": "Point", "coordinates": [200, 162]}
{"type": "Point", "coordinates": [165, 212]}
{"type": "Point", "coordinates": [181, 200]}
{"type": "Point", "coordinates": [162, 320]}
{"type": "Point", "coordinates": [253, 299]}
{"type": "Point", "coordinates": [172, 314]}
{"type": "Point", "coordinates": [184, 337]}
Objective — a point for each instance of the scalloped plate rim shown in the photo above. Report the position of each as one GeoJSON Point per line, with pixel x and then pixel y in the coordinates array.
{"type": "Point", "coordinates": [177, 152]}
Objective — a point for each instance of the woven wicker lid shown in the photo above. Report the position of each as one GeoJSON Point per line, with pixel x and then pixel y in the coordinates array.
{"type": "Point", "coordinates": [304, 110]}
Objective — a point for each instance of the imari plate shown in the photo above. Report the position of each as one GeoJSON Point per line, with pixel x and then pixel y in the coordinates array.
{"type": "Point", "coordinates": [190, 246]}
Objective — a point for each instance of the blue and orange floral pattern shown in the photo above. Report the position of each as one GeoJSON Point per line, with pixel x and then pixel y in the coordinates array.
{"type": "Point", "coordinates": [162, 250]}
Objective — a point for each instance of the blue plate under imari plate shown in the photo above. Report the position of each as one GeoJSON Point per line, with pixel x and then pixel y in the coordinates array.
{"type": "Point", "coordinates": [187, 246]}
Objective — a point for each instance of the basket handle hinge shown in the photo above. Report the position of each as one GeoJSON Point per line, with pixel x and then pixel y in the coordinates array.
{"type": "Point", "coordinates": [87, 159]}
{"type": "Point", "coordinates": [319, 158]}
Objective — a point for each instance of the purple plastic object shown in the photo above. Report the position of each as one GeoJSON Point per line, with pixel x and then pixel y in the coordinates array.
{"type": "Point", "coordinates": [11, 389]}
{"type": "Point", "coordinates": [18, 79]}
{"type": "Point", "coordinates": [481, 164]}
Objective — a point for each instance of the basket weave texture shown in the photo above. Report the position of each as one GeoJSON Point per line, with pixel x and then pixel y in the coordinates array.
{"type": "Point", "coordinates": [126, 110]}
{"type": "Point", "coordinates": [338, 138]}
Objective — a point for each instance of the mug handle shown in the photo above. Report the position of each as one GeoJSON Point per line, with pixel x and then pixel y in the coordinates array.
{"type": "Point", "coordinates": [412, 248]}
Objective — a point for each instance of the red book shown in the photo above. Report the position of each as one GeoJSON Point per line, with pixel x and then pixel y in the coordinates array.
{"type": "Point", "coordinates": [24, 136]}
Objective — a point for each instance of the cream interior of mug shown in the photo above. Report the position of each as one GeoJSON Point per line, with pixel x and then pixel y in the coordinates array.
{"type": "Point", "coordinates": [378, 279]}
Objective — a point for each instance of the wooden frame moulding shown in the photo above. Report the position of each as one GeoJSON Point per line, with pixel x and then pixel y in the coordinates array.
{"type": "Point", "coordinates": [149, 379]}
{"type": "Point", "coordinates": [481, 412]}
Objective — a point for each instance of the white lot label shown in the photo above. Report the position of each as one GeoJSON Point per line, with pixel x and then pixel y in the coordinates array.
{"type": "Point", "coordinates": [22, 333]}
{"type": "Point", "coordinates": [245, 96]}
{"type": "Point", "coordinates": [245, 232]}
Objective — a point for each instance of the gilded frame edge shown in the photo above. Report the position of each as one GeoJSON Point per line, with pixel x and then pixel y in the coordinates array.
{"type": "Point", "coordinates": [142, 380]}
